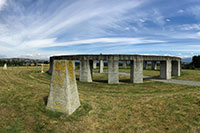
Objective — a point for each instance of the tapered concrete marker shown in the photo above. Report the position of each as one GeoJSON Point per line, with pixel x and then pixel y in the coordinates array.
{"type": "Point", "coordinates": [5, 67]}
{"type": "Point", "coordinates": [63, 96]}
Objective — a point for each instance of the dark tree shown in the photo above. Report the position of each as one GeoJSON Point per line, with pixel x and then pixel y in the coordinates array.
{"type": "Point", "coordinates": [196, 61]}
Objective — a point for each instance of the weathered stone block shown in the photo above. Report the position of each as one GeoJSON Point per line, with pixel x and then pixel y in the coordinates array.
{"type": "Point", "coordinates": [63, 96]}
{"type": "Point", "coordinates": [5, 67]}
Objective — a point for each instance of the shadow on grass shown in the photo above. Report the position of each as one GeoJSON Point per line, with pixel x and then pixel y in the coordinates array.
{"type": "Point", "coordinates": [81, 111]}
{"type": "Point", "coordinates": [151, 77]}
{"type": "Point", "coordinates": [45, 99]}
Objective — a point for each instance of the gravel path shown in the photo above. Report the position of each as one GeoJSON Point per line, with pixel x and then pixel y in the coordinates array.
{"type": "Point", "coordinates": [172, 81]}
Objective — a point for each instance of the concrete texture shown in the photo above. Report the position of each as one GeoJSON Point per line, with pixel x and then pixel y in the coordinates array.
{"type": "Point", "coordinates": [176, 68]}
{"type": "Point", "coordinates": [101, 66]}
{"type": "Point", "coordinates": [154, 65]}
{"type": "Point", "coordinates": [94, 63]}
{"type": "Point", "coordinates": [113, 66]}
{"type": "Point", "coordinates": [63, 95]}
{"type": "Point", "coordinates": [137, 71]}
{"type": "Point", "coordinates": [124, 64]}
{"type": "Point", "coordinates": [5, 67]}
{"type": "Point", "coordinates": [165, 69]}
{"type": "Point", "coordinates": [85, 71]}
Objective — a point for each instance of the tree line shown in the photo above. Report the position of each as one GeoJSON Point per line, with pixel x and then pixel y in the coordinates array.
{"type": "Point", "coordinates": [194, 64]}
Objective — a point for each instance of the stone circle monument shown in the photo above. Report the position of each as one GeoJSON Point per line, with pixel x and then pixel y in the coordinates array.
{"type": "Point", "coordinates": [63, 95]}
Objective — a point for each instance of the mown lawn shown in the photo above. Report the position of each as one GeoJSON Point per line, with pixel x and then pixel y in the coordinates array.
{"type": "Point", "coordinates": [147, 107]}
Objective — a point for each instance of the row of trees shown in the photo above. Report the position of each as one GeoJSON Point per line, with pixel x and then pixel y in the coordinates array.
{"type": "Point", "coordinates": [20, 63]}
{"type": "Point", "coordinates": [194, 64]}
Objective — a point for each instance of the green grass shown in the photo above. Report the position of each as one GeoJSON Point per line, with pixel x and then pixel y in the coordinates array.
{"type": "Point", "coordinates": [148, 107]}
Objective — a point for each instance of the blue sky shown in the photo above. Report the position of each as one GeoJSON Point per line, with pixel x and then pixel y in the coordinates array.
{"type": "Point", "coordinates": [42, 28]}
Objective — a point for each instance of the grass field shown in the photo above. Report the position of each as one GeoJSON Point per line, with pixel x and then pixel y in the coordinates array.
{"type": "Point", "coordinates": [147, 107]}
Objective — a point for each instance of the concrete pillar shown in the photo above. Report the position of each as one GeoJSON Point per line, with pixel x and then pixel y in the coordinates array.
{"type": "Point", "coordinates": [124, 64]}
{"type": "Point", "coordinates": [50, 65]}
{"type": "Point", "coordinates": [94, 64]}
{"type": "Point", "coordinates": [136, 71]}
{"type": "Point", "coordinates": [63, 95]}
{"type": "Point", "coordinates": [85, 71]}
{"type": "Point", "coordinates": [101, 66]}
{"type": "Point", "coordinates": [145, 65]}
{"type": "Point", "coordinates": [153, 65]}
{"type": "Point", "coordinates": [113, 76]}
{"type": "Point", "coordinates": [165, 69]}
{"type": "Point", "coordinates": [176, 68]}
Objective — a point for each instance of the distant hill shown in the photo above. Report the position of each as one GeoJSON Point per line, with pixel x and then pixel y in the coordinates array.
{"type": "Point", "coordinates": [187, 60]}
{"type": "Point", "coordinates": [23, 60]}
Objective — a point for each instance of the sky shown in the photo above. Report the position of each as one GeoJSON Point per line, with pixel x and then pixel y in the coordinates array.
{"type": "Point", "coordinates": [43, 28]}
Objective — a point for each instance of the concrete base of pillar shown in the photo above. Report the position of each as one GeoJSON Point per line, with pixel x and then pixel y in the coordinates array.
{"type": "Point", "coordinates": [85, 71]}
{"type": "Point", "coordinates": [165, 69]}
{"type": "Point", "coordinates": [113, 74]}
{"type": "Point", "coordinates": [136, 71]}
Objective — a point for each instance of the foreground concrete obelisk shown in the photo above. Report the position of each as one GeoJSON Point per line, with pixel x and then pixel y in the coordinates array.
{"type": "Point", "coordinates": [5, 67]}
{"type": "Point", "coordinates": [63, 96]}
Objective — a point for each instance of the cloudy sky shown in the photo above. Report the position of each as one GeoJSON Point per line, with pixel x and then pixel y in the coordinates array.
{"type": "Point", "coordinates": [41, 28]}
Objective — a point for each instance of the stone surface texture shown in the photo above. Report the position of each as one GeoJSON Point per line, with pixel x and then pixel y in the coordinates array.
{"type": "Point", "coordinates": [165, 69]}
{"type": "Point", "coordinates": [85, 71]}
{"type": "Point", "coordinates": [94, 64]}
{"type": "Point", "coordinates": [113, 77]}
{"type": "Point", "coordinates": [176, 68]}
{"type": "Point", "coordinates": [63, 95]}
{"type": "Point", "coordinates": [101, 66]}
{"type": "Point", "coordinates": [137, 71]}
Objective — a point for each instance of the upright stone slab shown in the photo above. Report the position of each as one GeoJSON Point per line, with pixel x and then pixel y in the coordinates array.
{"type": "Point", "coordinates": [85, 71]}
{"type": "Point", "coordinates": [50, 65]}
{"type": "Point", "coordinates": [165, 69]}
{"type": "Point", "coordinates": [94, 64]}
{"type": "Point", "coordinates": [113, 74]}
{"type": "Point", "coordinates": [176, 68]}
{"type": "Point", "coordinates": [153, 65]}
{"type": "Point", "coordinates": [63, 96]}
{"type": "Point", "coordinates": [137, 71]}
{"type": "Point", "coordinates": [101, 66]}
{"type": "Point", "coordinates": [124, 64]}
{"type": "Point", "coordinates": [5, 67]}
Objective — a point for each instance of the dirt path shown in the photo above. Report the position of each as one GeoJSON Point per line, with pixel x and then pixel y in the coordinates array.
{"type": "Point", "coordinates": [172, 81]}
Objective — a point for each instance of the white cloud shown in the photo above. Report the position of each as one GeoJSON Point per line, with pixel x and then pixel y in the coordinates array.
{"type": "Point", "coordinates": [2, 4]}
{"type": "Point", "coordinates": [97, 41]}
{"type": "Point", "coordinates": [180, 11]}
{"type": "Point", "coordinates": [188, 27]}
{"type": "Point", "coordinates": [195, 10]}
